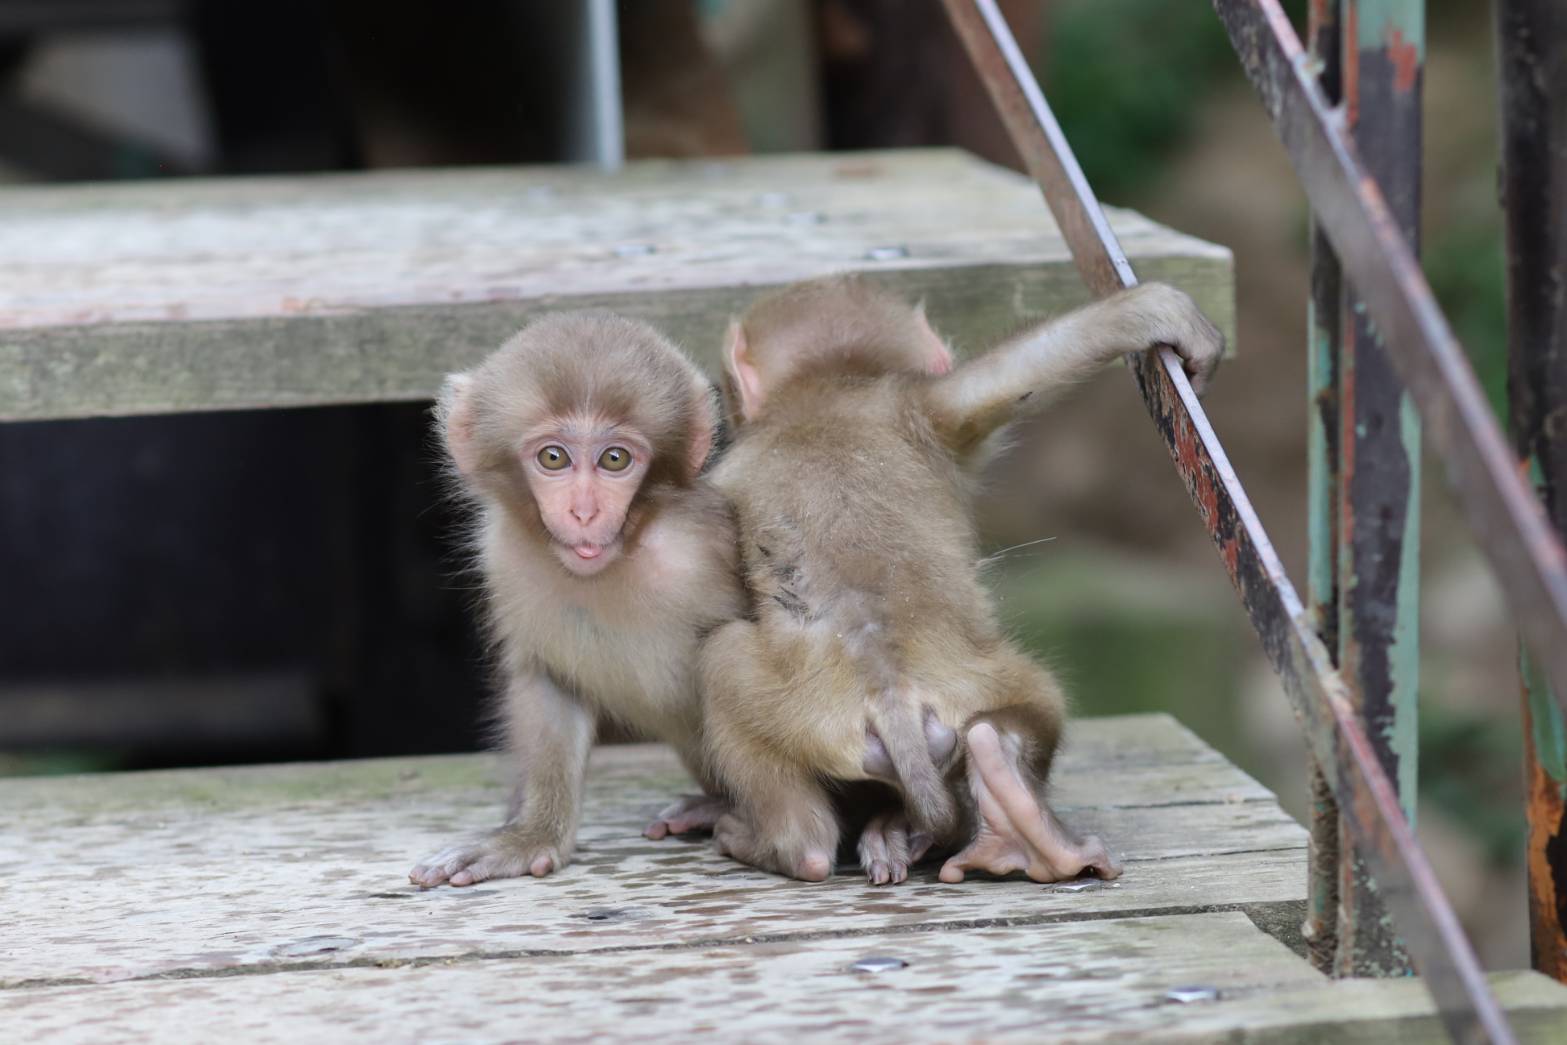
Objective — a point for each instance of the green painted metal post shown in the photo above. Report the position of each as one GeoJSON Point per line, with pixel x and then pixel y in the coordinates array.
{"type": "Point", "coordinates": [1383, 56]}
{"type": "Point", "coordinates": [1322, 352]}
{"type": "Point", "coordinates": [1532, 51]}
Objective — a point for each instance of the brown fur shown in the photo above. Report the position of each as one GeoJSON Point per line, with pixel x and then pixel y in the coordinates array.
{"type": "Point", "coordinates": [621, 643]}
{"type": "Point", "coordinates": [851, 479]}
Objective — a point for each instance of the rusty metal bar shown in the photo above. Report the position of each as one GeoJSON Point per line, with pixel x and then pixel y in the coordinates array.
{"type": "Point", "coordinates": [1367, 800]}
{"type": "Point", "coordinates": [1324, 312]}
{"type": "Point", "coordinates": [1383, 49]}
{"type": "Point", "coordinates": [1532, 53]}
{"type": "Point", "coordinates": [1501, 511]}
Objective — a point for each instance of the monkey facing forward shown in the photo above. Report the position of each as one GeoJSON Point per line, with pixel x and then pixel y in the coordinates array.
{"type": "Point", "coordinates": [875, 652]}
{"type": "Point", "coordinates": [605, 559]}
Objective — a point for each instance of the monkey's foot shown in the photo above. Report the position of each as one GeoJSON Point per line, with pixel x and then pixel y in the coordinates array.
{"type": "Point", "coordinates": [497, 856]}
{"type": "Point", "coordinates": [888, 848]}
{"type": "Point", "coordinates": [690, 813]}
{"type": "Point", "coordinates": [1016, 832]}
{"type": "Point", "coordinates": [733, 837]}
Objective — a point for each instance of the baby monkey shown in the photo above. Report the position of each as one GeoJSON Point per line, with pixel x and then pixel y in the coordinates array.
{"type": "Point", "coordinates": [875, 652]}
{"type": "Point", "coordinates": [605, 560]}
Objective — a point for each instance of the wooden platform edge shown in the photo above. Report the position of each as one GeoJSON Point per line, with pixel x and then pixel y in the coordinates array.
{"type": "Point", "coordinates": [401, 354]}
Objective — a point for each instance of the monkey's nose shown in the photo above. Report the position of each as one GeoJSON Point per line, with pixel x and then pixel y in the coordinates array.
{"type": "Point", "coordinates": [585, 515]}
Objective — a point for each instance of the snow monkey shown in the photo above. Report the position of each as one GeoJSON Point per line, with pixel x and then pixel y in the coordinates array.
{"type": "Point", "coordinates": [605, 560]}
{"type": "Point", "coordinates": [874, 651]}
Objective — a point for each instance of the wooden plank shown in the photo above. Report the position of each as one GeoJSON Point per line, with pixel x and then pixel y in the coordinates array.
{"type": "Point", "coordinates": [1371, 1012]}
{"type": "Point", "coordinates": [112, 877]}
{"type": "Point", "coordinates": [1150, 756]}
{"type": "Point", "coordinates": [295, 291]}
{"type": "Point", "coordinates": [1082, 981]}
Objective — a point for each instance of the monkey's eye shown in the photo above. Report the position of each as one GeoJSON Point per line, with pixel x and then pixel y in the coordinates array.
{"type": "Point", "coordinates": [553, 458]}
{"type": "Point", "coordinates": [615, 459]}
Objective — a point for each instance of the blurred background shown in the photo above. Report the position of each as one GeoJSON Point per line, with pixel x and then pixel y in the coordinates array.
{"type": "Point", "coordinates": [279, 585]}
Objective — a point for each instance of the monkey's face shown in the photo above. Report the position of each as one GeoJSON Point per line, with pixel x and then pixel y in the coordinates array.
{"type": "Point", "coordinates": [583, 477]}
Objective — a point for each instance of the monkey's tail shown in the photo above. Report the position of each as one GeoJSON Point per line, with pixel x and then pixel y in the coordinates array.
{"type": "Point", "coordinates": [927, 799]}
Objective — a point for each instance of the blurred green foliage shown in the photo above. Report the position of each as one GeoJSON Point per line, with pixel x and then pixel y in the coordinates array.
{"type": "Point", "coordinates": [1121, 645]}
{"type": "Point", "coordinates": [1469, 769]}
{"type": "Point", "coordinates": [53, 763]}
{"type": "Point", "coordinates": [1465, 263]}
{"type": "Point", "coordinates": [1125, 78]}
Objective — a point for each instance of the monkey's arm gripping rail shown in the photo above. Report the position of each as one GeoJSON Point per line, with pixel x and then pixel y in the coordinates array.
{"type": "Point", "coordinates": [1501, 510]}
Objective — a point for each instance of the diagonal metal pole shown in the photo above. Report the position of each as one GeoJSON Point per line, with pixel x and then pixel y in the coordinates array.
{"type": "Point", "coordinates": [1368, 802]}
{"type": "Point", "coordinates": [1502, 512]}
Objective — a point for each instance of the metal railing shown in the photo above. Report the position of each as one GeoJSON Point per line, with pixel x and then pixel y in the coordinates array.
{"type": "Point", "coordinates": [1342, 663]}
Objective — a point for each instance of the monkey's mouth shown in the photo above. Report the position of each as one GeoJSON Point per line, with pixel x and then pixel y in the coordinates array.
{"type": "Point", "coordinates": [586, 558]}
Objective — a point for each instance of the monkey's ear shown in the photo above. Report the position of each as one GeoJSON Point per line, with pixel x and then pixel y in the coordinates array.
{"type": "Point", "coordinates": [704, 426]}
{"type": "Point", "coordinates": [742, 371]}
{"type": "Point", "coordinates": [938, 356]}
{"type": "Point", "coordinates": [454, 413]}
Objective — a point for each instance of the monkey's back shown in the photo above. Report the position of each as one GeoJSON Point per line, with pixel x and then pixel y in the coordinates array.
{"type": "Point", "coordinates": [853, 516]}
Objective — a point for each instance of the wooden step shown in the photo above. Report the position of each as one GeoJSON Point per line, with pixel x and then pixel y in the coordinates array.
{"type": "Point", "coordinates": [271, 903]}
{"type": "Point", "coordinates": [183, 295]}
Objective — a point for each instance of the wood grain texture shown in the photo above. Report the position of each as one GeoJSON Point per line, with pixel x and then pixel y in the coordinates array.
{"type": "Point", "coordinates": [250, 292]}
{"type": "Point", "coordinates": [1103, 980]}
{"type": "Point", "coordinates": [270, 903]}
{"type": "Point", "coordinates": [112, 877]}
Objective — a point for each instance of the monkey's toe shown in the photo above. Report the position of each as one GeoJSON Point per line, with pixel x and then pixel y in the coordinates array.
{"type": "Point", "coordinates": [1017, 832]}
{"type": "Point", "coordinates": [440, 868]}
{"type": "Point", "coordinates": [471, 864]}
{"type": "Point", "coordinates": [1098, 858]}
{"type": "Point", "coordinates": [690, 814]}
{"type": "Point", "coordinates": [887, 849]}
{"type": "Point", "coordinates": [814, 867]}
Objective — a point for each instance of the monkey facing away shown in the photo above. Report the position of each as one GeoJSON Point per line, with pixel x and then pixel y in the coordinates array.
{"type": "Point", "coordinates": [605, 559]}
{"type": "Point", "coordinates": [875, 652]}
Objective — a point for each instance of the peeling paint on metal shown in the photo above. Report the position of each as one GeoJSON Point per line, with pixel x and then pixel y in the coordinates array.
{"type": "Point", "coordinates": [1534, 164]}
{"type": "Point", "coordinates": [1378, 22]}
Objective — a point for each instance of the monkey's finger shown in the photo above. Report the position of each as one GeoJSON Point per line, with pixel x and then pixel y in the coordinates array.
{"type": "Point", "coordinates": [1196, 370]}
{"type": "Point", "coordinates": [438, 869]}
{"type": "Point", "coordinates": [989, 853]}
{"type": "Point", "coordinates": [426, 877]}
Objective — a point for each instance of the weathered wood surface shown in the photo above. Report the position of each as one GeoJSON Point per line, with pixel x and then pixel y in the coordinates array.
{"type": "Point", "coordinates": [193, 295]}
{"type": "Point", "coordinates": [1100, 980]}
{"type": "Point", "coordinates": [109, 877]}
{"type": "Point", "coordinates": [270, 903]}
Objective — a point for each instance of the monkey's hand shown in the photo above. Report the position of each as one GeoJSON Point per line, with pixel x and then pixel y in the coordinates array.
{"type": "Point", "coordinates": [1016, 831]}
{"type": "Point", "coordinates": [506, 853]}
{"type": "Point", "coordinates": [690, 813]}
{"type": "Point", "coordinates": [889, 847]}
{"type": "Point", "coordinates": [1170, 317]}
